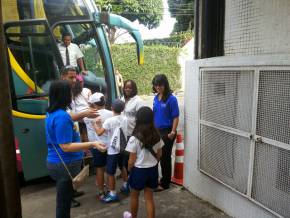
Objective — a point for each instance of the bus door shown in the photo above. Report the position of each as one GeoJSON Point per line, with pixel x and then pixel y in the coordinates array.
{"type": "Point", "coordinates": [34, 63]}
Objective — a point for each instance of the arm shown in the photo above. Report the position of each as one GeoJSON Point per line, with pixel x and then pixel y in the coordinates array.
{"type": "Point", "coordinates": [159, 154]}
{"type": "Point", "coordinates": [81, 64]}
{"type": "Point", "coordinates": [80, 60]}
{"type": "Point", "coordinates": [90, 113]}
{"type": "Point", "coordinates": [132, 160]}
{"type": "Point", "coordinates": [89, 94]}
{"type": "Point", "coordinates": [174, 110]}
{"type": "Point", "coordinates": [99, 130]}
{"type": "Point", "coordinates": [174, 127]}
{"type": "Point", "coordinates": [75, 146]}
{"type": "Point", "coordinates": [175, 124]}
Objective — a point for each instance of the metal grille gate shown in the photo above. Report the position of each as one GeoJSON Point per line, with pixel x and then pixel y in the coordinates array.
{"type": "Point", "coordinates": [245, 133]}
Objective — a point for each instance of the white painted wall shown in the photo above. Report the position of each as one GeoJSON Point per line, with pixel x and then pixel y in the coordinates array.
{"type": "Point", "coordinates": [255, 27]}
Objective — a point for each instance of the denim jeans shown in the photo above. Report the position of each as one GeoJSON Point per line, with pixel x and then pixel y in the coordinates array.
{"type": "Point", "coordinates": [64, 188]}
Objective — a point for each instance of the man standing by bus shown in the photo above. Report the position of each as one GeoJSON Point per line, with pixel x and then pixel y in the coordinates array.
{"type": "Point", "coordinates": [70, 53]}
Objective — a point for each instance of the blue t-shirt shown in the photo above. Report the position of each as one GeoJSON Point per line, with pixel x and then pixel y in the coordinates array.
{"type": "Point", "coordinates": [165, 112]}
{"type": "Point", "coordinates": [60, 129]}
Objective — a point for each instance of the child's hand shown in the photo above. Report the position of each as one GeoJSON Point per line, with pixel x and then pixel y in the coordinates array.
{"type": "Point", "coordinates": [100, 146]}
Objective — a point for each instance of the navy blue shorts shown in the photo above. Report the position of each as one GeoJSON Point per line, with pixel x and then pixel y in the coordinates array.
{"type": "Point", "coordinates": [141, 178]}
{"type": "Point", "coordinates": [100, 158]}
{"type": "Point", "coordinates": [123, 160]}
{"type": "Point", "coordinates": [112, 164]}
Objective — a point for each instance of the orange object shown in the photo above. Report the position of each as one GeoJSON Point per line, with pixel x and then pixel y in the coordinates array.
{"type": "Point", "coordinates": [178, 165]}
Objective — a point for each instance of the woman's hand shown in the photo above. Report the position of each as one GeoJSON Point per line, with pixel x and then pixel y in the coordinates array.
{"type": "Point", "coordinates": [98, 121]}
{"type": "Point", "coordinates": [100, 146]}
{"type": "Point", "coordinates": [91, 113]}
{"type": "Point", "coordinates": [171, 135]}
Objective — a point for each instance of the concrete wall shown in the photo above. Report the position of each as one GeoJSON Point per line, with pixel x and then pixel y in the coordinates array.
{"type": "Point", "coordinates": [255, 27]}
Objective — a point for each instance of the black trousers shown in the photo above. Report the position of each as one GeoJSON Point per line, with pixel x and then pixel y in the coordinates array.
{"type": "Point", "coordinates": [165, 162]}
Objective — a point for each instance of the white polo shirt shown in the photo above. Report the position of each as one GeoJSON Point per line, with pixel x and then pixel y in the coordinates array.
{"type": "Point", "coordinates": [111, 126]}
{"type": "Point", "coordinates": [80, 103]}
{"type": "Point", "coordinates": [73, 51]}
{"type": "Point", "coordinates": [92, 135]}
{"type": "Point", "coordinates": [130, 111]}
{"type": "Point", "coordinates": [144, 157]}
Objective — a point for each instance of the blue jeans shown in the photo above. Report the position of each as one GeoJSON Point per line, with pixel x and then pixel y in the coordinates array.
{"type": "Point", "coordinates": [64, 188]}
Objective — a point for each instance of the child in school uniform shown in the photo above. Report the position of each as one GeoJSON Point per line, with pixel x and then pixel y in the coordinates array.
{"type": "Point", "coordinates": [97, 101]}
{"type": "Point", "coordinates": [112, 127]}
{"type": "Point", "coordinates": [145, 147]}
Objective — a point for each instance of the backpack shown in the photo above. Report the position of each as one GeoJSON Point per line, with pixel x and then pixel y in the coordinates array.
{"type": "Point", "coordinates": [123, 140]}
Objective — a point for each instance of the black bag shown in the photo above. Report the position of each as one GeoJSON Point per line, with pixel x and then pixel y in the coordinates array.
{"type": "Point", "coordinates": [154, 154]}
{"type": "Point", "coordinates": [123, 140]}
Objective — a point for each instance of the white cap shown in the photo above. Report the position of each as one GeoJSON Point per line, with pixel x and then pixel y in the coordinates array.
{"type": "Point", "coordinates": [96, 97]}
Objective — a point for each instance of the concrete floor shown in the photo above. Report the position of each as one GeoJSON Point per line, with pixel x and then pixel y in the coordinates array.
{"type": "Point", "coordinates": [38, 201]}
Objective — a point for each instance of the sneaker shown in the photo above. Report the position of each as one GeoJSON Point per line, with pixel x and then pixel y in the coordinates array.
{"type": "Point", "coordinates": [125, 189]}
{"type": "Point", "coordinates": [101, 196]}
{"type": "Point", "coordinates": [127, 214]}
{"type": "Point", "coordinates": [110, 198]}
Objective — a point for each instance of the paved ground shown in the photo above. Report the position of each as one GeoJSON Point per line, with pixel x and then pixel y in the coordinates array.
{"type": "Point", "coordinates": [38, 201]}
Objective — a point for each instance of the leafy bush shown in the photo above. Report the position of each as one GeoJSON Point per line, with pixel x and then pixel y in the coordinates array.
{"type": "Point", "coordinates": [158, 59]}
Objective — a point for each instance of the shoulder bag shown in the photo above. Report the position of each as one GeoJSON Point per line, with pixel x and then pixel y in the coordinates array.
{"type": "Point", "coordinates": [79, 179]}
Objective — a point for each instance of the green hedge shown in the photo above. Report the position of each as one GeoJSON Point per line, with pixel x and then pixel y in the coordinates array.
{"type": "Point", "coordinates": [175, 40]}
{"type": "Point", "coordinates": [158, 59]}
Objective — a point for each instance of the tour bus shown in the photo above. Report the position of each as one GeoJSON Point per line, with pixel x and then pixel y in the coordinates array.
{"type": "Point", "coordinates": [33, 29]}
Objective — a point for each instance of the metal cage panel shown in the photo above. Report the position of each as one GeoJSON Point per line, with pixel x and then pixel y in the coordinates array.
{"type": "Point", "coordinates": [273, 116]}
{"type": "Point", "coordinates": [225, 156]}
{"type": "Point", "coordinates": [226, 98]}
{"type": "Point", "coordinates": [245, 132]}
{"type": "Point", "coordinates": [271, 180]}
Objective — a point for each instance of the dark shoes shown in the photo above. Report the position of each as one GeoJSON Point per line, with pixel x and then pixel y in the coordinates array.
{"type": "Point", "coordinates": [78, 193]}
{"type": "Point", "coordinates": [159, 189]}
{"type": "Point", "coordinates": [75, 203]}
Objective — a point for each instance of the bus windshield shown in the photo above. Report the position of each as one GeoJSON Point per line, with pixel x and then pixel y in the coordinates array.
{"type": "Point", "coordinates": [66, 10]}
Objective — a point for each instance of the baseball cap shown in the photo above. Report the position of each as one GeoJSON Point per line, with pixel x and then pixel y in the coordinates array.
{"type": "Point", "coordinates": [96, 97]}
{"type": "Point", "coordinates": [118, 106]}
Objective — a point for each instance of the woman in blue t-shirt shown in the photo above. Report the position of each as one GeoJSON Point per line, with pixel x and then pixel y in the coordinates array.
{"type": "Point", "coordinates": [166, 118]}
{"type": "Point", "coordinates": [63, 139]}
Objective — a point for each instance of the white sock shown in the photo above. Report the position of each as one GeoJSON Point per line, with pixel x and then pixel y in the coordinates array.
{"type": "Point", "coordinates": [113, 193]}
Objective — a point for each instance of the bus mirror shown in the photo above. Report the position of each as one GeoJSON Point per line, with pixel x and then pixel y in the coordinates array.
{"type": "Point", "coordinates": [121, 22]}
